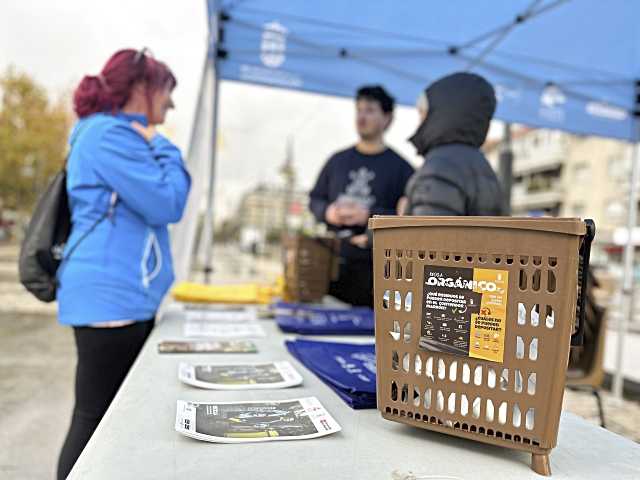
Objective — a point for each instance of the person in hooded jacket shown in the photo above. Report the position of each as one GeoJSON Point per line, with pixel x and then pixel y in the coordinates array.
{"type": "Point", "coordinates": [456, 178]}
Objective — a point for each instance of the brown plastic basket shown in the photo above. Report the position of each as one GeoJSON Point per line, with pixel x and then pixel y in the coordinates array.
{"type": "Point", "coordinates": [474, 321]}
{"type": "Point", "coordinates": [310, 263]}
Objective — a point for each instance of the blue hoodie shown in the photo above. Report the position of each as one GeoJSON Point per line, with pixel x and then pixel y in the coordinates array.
{"type": "Point", "coordinates": [123, 268]}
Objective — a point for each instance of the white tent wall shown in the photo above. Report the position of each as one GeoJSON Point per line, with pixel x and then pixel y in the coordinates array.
{"type": "Point", "coordinates": [198, 162]}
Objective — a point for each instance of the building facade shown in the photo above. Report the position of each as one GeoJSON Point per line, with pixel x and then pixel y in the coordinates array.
{"type": "Point", "coordinates": [267, 211]}
{"type": "Point", "coordinates": [559, 174]}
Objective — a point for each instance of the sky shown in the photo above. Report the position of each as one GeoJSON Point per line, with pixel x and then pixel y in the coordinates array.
{"type": "Point", "coordinates": [59, 42]}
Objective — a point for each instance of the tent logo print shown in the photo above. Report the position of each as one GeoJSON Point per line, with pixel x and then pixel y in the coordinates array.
{"type": "Point", "coordinates": [504, 92]}
{"type": "Point", "coordinates": [273, 45]}
{"type": "Point", "coordinates": [604, 110]}
{"type": "Point", "coordinates": [552, 96]}
{"type": "Point", "coordinates": [552, 100]}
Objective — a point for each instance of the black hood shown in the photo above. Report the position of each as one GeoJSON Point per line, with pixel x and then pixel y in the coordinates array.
{"type": "Point", "coordinates": [460, 110]}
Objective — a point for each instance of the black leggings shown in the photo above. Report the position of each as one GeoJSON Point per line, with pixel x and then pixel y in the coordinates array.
{"type": "Point", "coordinates": [104, 358]}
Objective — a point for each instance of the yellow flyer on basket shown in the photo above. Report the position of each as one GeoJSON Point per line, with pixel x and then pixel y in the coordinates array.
{"type": "Point", "coordinates": [488, 326]}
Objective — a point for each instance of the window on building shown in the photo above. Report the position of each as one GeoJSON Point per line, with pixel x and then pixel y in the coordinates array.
{"type": "Point", "coordinates": [581, 173]}
{"type": "Point", "coordinates": [615, 211]}
{"type": "Point", "coordinates": [617, 167]}
{"type": "Point", "coordinates": [578, 210]}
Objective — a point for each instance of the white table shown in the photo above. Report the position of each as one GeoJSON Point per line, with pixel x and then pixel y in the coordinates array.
{"type": "Point", "coordinates": [136, 438]}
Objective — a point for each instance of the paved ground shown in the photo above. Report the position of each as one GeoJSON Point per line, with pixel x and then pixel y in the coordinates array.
{"type": "Point", "coordinates": [37, 366]}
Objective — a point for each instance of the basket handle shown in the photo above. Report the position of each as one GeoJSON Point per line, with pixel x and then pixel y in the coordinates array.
{"type": "Point", "coordinates": [577, 338]}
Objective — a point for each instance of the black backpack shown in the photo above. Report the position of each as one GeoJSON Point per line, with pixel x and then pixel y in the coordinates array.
{"type": "Point", "coordinates": [45, 239]}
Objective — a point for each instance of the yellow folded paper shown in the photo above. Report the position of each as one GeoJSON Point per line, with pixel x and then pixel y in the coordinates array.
{"type": "Point", "coordinates": [246, 293]}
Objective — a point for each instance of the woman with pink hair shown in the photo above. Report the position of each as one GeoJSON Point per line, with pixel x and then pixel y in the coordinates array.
{"type": "Point", "coordinates": [126, 183]}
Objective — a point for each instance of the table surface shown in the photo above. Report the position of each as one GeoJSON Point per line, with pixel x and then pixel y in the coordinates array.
{"type": "Point", "coordinates": [136, 438]}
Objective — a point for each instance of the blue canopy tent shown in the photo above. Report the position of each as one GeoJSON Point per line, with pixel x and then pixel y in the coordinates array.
{"type": "Point", "coordinates": [570, 65]}
{"type": "Point", "coordinates": [561, 64]}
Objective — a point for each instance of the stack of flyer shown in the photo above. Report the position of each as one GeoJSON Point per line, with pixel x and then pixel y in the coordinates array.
{"type": "Point", "coordinates": [240, 376]}
{"type": "Point", "coordinates": [225, 330]}
{"type": "Point", "coordinates": [262, 421]}
{"type": "Point", "coordinates": [222, 322]}
{"type": "Point", "coordinates": [206, 346]}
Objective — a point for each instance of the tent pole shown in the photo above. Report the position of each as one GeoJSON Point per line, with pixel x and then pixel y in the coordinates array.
{"type": "Point", "coordinates": [207, 230]}
{"type": "Point", "coordinates": [505, 166]}
{"type": "Point", "coordinates": [628, 278]}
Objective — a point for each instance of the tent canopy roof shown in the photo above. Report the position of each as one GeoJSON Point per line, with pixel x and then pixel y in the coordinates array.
{"type": "Point", "coordinates": [565, 64]}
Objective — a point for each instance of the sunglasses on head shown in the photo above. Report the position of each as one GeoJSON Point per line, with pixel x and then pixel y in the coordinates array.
{"type": "Point", "coordinates": [141, 54]}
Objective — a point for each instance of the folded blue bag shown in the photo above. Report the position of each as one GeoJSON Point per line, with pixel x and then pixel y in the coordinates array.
{"type": "Point", "coordinates": [291, 308]}
{"type": "Point", "coordinates": [348, 368]}
{"type": "Point", "coordinates": [325, 321]}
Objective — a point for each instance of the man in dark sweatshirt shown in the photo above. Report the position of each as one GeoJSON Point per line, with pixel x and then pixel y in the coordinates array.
{"type": "Point", "coordinates": [356, 183]}
{"type": "Point", "coordinates": [456, 178]}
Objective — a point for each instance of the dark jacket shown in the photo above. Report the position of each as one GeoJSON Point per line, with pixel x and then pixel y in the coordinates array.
{"type": "Point", "coordinates": [456, 178]}
{"type": "Point", "coordinates": [377, 181]}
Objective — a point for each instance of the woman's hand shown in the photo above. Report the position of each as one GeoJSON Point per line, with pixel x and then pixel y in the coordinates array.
{"type": "Point", "coordinates": [147, 132]}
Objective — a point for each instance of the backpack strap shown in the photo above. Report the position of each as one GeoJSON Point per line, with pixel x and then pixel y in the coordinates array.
{"type": "Point", "coordinates": [108, 214]}
{"type": "Point", "coordinates": [112, 201]}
